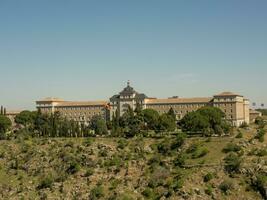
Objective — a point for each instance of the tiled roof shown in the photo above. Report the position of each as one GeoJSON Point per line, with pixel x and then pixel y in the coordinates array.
{"type": "Point", "coordinates": [226, 94]}
{"type": "Point", "coordinates": [179, 100]}
{"type": "Point", "coordinates": [51, 99]}
{"type": "Point", "coordinates": [82, 103]}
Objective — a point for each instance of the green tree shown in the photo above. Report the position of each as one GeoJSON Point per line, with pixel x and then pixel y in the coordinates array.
{"type": "Point", "coordinates": [2, 110]}
{"type": "Point", "coordinates": [5, 124]}
{"type": "Point", "coordinates": [98, 124]}
{"type": "Point", "coordinates": [151, 118]}
{"type": "Point", "coordinates": [172, 113]}
{"type": "Point", "coordinates": [166, 123]}
{"type": "Point", "coordinates": [25, 118]}
{"type": "Point", "coordinates": [206, 120]}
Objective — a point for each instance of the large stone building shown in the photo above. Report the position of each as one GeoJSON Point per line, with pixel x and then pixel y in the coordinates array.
{"type": "Point", "coordinates": [235, 106]}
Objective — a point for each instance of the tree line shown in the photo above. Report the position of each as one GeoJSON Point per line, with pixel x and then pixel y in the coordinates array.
{"type": "Point", "coordinates": [206, 121]}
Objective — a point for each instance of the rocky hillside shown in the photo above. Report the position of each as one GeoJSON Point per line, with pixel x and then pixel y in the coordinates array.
{"type": "Point", "coordinates": [138, 168]}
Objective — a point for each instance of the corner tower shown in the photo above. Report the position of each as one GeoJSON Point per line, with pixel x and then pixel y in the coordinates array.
{"type": "Point", "coordinates": [128, 97]}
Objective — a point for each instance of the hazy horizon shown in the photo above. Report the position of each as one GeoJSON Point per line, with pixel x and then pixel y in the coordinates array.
{"type": "Point", "coordinates": [87, 50]}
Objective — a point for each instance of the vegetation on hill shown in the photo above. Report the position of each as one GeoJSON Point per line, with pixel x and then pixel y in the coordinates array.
{"type": "Point", "coordinates": [5, 125]}
{"type": "Point", "coordinates": [263, 111]}
{"type": "Point", "coordinates": [206, 121]}
{"type": "Point", "coordinates": [169, 167]}
{"type": "Point", "coordinates": [52, 157]}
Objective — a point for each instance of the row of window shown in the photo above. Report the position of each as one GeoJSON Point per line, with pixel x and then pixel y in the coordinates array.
{"type": "Point", "coordinates": [224, 99]}
{"type": "Point", "coordinates": [79, 108]}
{"type": "Point", "coordinates": [178, 106]}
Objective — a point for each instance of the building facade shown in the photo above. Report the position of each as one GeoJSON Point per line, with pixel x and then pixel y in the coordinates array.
{"type": "Point", "coordinates": [235, 106]}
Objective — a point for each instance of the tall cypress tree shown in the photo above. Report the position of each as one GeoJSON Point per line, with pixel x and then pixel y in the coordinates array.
{"type": "Point", "coordinates": [2, 111]}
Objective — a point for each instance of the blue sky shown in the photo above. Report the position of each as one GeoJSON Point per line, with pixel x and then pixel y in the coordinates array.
{"type": "Point", "coordinates": [88, 49]}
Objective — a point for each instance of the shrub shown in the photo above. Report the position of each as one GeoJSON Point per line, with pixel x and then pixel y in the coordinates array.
{"type": "Point", "coordinates": [260, 135]}
{"type": "Point", "coordinates": [73, 168]}
{"type": "Point", "coordinates": [208, 177]}
{"type": "Point", "coordinates": [260, 184]}
{"type": "Point", "coordinates": [177, 184]}
{"type": "Point", "coordinates": [96, 193]}
{"type": "Point", "coordinates": [231, 147]}
{"type": "Point", "coordinates": [179, 141]}
{"type": "Point", "coordinates": [148, 193]}
{"type": "Point", "coordinates": [114, 161]}
{"type": "Point", "coordinates": [46, 182]}
{"type": "Point", "coordinates": [239, 135]}
{"type": "Point", "coordinates": [226, 186]}
{"type": "Point", "coordinates": [179, 161]}
{"type": "Point", "coordinates": [209, 190]}
{"type": "Point", "coordinates": [89, 172]}
{"type": "Point", "coordinates": [193, 148]}
{"type": "Point", "coordinates": [164, 147]}
{"type": "Point", "coordinates": [122, 143]}
{"type": "Point", "coordinates": [103, 153]}
{"type": "Point", "coordinates": [201, 152]}
{"type": "Point", "coordinates": [114, 183]}
{"type": "Point", "coordinates": [259, 121]}
{"type": "Point", "coordinates": [232, 163]}
{"type": "Point", "coordinates": [262, 152]}
{"type": "Point", "coordinates": [88, 142]}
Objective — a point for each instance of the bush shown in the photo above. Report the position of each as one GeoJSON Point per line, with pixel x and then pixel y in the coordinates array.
{"type": "Point", "coordinates": [239, 135]}
{"type": "Point", "coordinates": [89, 172]}
{"type": "Point", "coordinates": [96, 193]}
{"type": "Point", "coordinates": [208, 177]}
{"type": "Point", "coordinates": [199, 153]}
{"type": "Point", "coordinates": [177, 184]}
{"type": "Point", "coordinates": [164, 147]}
{"type": "Point", "coordinates": [179, 141]}
{"type": "Point", "coordinates": [122, 143]}
{"type": "Point", "coordinates": [226, 186]}
{"type": "Point", "coordinates": [88, 142]}
{"type": "Point", "coordinates": [259, 121]}
{"type": "Point", "coordinates": [232, 163]}
{"type": "Point", "coordinates": [46, 182]}
{"type": "Point", "coordinates": [179, 161]}
{"type": "Point", "coordinates": [73, 168]}
{"type": "Point", "coordinates": [231, 147]}
{"type": "Point", "coordinates": [148, 193]}
{"type": "Point", "coordinates": [193, 148]}
{"type": "Point", "coordinates": [262, 152]}
{"type": "Point", "coordinates": [260, 184]}
{"type": "Point", "coordinates": [260, 135]}
{"type": "Point", "coordinates": [209, 190]}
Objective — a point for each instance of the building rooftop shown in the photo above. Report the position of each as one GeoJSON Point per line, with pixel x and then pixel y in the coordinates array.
{"type": "Point", "coordinates": [82, 103]}
{"type": "Point", "coordinates": [50, 99]}
{"type": "Point", "coordinates": [227, 94]}
{"type": "Point", "coordinates": [180, 100]}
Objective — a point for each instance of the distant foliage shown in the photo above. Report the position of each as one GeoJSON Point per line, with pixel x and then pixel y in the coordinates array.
{"type": "Point", "coordinates": [263, 111]}
{"type": "Point", "coordinates": [25, 118]}
{"type": "Point", "coordinates": [206, 121]}
{"type": "Point", "coordinates": [231, 147]}
{"type": "Point", "coordinates": [260, 135]}
{"type": "Point", "coordinates": [5, 125]}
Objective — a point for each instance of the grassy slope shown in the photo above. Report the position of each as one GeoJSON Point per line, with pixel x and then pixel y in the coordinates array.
{"type": "Point", "coordinates": [125, 171]}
